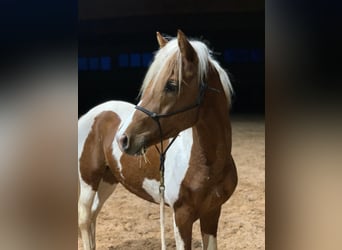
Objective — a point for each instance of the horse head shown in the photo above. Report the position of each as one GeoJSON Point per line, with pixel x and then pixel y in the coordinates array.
{"type": "Point", "coordinates": [170, 97]}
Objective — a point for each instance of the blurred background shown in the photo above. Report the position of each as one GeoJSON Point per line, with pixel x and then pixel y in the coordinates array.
{"type": "Point", "coordinates": [117, 41]}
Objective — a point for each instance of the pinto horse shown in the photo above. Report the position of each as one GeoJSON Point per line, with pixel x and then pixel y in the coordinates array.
{"type": "Point", "coordinates": [185, 95]}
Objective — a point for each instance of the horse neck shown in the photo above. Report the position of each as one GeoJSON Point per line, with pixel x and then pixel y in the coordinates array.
{"type": "Point", "coordinates": [212, 132]}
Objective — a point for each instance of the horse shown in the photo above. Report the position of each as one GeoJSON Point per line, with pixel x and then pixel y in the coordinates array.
{"type": "Point", "coordinates": [185, 100]}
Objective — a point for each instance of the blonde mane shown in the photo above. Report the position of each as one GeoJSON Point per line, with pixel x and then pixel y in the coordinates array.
{"type": "Point", "coordinates": [171, 50]}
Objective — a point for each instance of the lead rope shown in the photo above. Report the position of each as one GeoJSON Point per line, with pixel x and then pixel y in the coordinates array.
{"type": "Point", "coordinates": [162, 204]}
{"type": "Point", "coordinates": [162, 155]}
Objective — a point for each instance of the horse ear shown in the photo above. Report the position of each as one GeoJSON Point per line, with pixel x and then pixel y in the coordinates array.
{"type": "Point", "coordinates": [161, 40]}
{"type": "Point", "coordinates": [185, 47]}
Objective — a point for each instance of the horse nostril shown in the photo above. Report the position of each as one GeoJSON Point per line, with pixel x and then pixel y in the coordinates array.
{"type": "Point", "coordinates": [124, 141]}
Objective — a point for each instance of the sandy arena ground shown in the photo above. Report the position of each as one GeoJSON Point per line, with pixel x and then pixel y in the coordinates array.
{"type": "Point", "coordinates": [127, 222]}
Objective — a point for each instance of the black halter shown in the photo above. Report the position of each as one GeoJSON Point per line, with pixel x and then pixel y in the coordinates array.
{"type": "Point", "coordinates": [156, 117]}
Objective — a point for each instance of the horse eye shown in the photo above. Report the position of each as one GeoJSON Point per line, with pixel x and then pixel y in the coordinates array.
{"type": "Point", "coordinates": [171, 86]}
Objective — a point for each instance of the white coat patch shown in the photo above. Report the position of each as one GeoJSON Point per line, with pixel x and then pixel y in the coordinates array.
{"type": "Point", "coordinates": [151, 186]}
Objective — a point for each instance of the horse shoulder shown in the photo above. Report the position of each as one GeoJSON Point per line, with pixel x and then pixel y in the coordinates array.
{"type": "Point", "coordinates": [222, 186]}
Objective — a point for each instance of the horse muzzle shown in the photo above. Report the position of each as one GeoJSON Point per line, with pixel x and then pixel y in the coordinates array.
{"type": "Point", "coordinates": [131, 146]}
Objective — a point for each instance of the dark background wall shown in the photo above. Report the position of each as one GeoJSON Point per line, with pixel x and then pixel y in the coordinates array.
{"type": "Point", "coordinates": [117, 41]}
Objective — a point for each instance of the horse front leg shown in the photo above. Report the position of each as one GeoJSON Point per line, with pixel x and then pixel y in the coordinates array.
{"type": "Point", "coordinates": [85, 221]}
{"type": "Point", "coordinates": [183, 219]}
{"type": "Point", "coordinates": [209, 224]}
